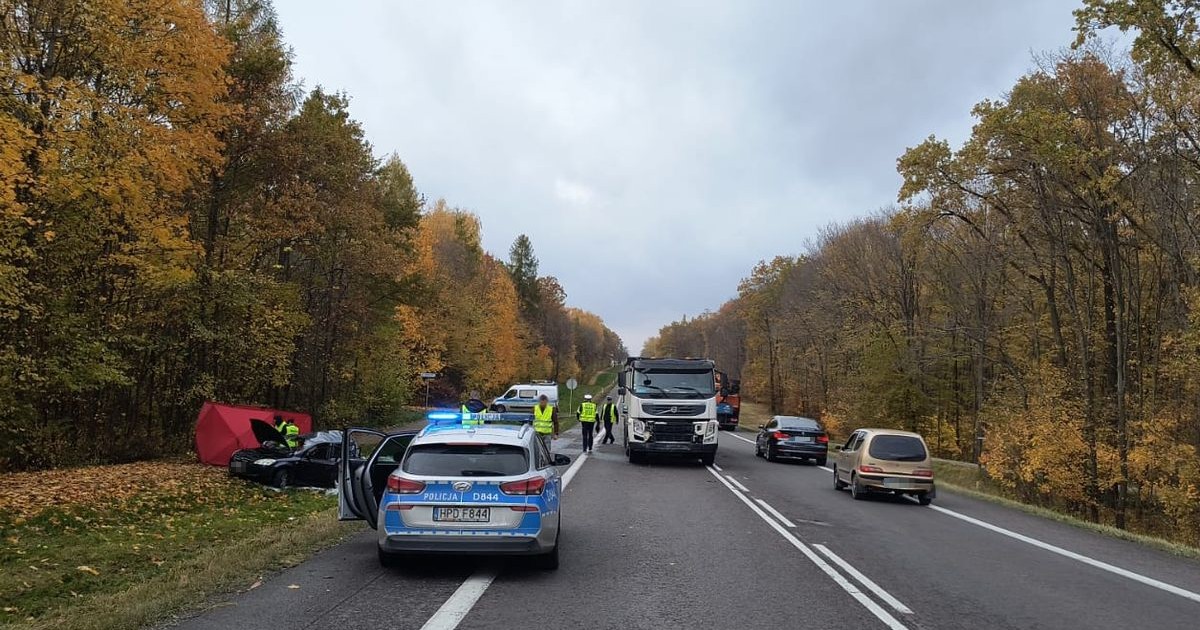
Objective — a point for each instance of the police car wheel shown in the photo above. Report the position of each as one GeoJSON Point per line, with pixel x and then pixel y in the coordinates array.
{"type": "Point", "coordinates": [549, 561]}
{"type": "Point", "coordinates": [388, 560]}
{"type": "Point", "coordinates": [282, 478]}
{"type": "Point", "coordinates": [500, 408]}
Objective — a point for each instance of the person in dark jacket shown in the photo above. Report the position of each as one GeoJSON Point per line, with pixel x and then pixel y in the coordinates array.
{"type": "Point", "coordinates": [609, 415]}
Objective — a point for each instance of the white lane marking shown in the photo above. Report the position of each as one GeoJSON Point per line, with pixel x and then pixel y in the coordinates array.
{"type": "Point", "coordinates": [864, 580]}
{"type": "Point", "coordinates": [570, 474]}
{"type": "Point", "coordinates": [1104, 566]}
{"type": "Point", "coordinates": [734, 435]}
{"type": "Point", "coordinates": [825, 468]}
{"type": "Point", "coordinates": [737, 483]}
{"type": "Point", "coordinates": [782, 519]}
{"type": "Point", "coordinates": [846, 585]}
{"type": "Point", "coordinates": [718, 467]}
{"type": "Point", "coordinates": [455, 609]}
{"type": "Point", "coordinates": [460, 603]}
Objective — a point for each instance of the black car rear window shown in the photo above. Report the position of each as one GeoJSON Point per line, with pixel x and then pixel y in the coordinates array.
{"type": "Point", "coordinates": [798, 423]}
{"type": "Point", "coordinates": [466, 460]}
{"type": "Point", "coordinates": [897, 448]}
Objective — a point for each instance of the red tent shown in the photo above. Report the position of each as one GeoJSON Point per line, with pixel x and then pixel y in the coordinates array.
{"type": "Point", "coordinates": [222, 429]}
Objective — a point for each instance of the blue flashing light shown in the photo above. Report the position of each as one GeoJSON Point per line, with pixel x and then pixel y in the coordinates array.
{"type": "Point", "coordinates": [444, 416]}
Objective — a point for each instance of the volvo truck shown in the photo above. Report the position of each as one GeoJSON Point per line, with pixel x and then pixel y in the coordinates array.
{"type": "Point", "coordinates": [668, 408]}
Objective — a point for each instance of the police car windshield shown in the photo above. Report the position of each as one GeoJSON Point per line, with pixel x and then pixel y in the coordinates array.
{"type": "Point", "coordinates": [466, 460]}
{"type": "Point", "coordinates": [673, 384]}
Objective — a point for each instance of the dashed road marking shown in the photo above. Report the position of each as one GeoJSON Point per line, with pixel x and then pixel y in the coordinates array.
{"type": "Point", "coordinates": [868, 603]}
{"type": "Point", "coordinates": [864, 580]}
{"type": "Point", "coordinates": [782, 519]}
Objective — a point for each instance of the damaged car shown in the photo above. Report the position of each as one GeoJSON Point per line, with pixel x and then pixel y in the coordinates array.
{"type": "Point", "coordinates": [314, 463]}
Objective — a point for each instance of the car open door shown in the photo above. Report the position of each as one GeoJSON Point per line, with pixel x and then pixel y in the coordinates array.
{"type": "Point", "coordinates": [372, 478]}
{"type": "Point", "coordinates": [357, 447]}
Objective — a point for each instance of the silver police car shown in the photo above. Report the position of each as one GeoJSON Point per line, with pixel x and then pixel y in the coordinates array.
{"type": "Point", "coordinates": [473, 484]}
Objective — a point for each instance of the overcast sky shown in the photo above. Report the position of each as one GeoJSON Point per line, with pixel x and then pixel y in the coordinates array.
{"type": "Point", "coordinates": [653, 150]}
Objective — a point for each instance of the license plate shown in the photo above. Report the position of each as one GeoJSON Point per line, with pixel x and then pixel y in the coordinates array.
{"type": "Point", "coordinates": [462, 514]}
{"type": "Point", "coordinates": [802, 440]}
{"type": "Point", "coordinates": [894, 482]}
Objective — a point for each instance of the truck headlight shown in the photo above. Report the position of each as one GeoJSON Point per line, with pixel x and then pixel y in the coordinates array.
{"type": "Point", "coordinates": [639, 427]}
{"type": "Point", "coordinates": [264, 462]}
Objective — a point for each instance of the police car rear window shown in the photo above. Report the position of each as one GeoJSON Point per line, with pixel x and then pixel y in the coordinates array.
{"type": "Point", "coordinates": [466, 460]}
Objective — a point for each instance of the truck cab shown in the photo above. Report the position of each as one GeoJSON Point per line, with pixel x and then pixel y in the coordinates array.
{"type": "Point", "coordinates": [669, 408]}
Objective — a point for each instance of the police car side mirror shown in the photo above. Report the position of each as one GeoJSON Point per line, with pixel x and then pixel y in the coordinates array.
{"type": "Point", "coordinates": [561, 460]}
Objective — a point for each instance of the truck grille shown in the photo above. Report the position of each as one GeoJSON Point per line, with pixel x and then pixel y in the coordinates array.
{"type": "Point", "coordinates": [671, 431]}
{"type": "Point", "coordinates": [673, 410]}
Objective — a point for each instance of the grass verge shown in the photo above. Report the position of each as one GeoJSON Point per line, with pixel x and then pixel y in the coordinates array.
{"type": "Point", "coordinates": [152, 539]}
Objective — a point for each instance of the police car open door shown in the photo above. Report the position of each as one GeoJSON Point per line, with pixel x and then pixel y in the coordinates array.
{"type": "Point", "coordinates": [368, 457]}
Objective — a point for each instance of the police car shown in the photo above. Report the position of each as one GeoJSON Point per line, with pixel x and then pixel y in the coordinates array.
{"type": "Point", "coordinates": [465, 484]}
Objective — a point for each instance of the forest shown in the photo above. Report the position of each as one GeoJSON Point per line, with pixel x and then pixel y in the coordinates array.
{"type": "Point", "coordinates": [180, 221]}
{"type": "Point", "coordinates": [1032, 300]}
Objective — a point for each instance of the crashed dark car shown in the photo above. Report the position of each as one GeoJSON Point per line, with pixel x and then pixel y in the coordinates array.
{"type": "Point", "coordinates": [314, 463]}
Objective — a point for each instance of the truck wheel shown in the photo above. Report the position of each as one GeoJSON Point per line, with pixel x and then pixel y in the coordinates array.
{"type": "Point", "coordinates": [282, 478]}
{"type": "Point", "coordinates": [708, 459]}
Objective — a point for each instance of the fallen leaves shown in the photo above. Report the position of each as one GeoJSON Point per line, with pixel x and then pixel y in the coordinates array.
{"type": "Point", "coordinates": [27, 494]}
{"type": "Point", "coordinates": [86, 569]}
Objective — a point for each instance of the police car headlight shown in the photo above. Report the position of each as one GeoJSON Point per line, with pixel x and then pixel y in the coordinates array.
{"type": "Point", "coordinates": [264, 462]}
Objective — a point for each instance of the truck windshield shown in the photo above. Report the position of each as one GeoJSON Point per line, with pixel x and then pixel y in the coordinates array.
{"type": "Point", "coordinates": [652, 383]}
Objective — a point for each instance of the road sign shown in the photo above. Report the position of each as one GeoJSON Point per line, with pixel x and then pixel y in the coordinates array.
{"type": "Point", "coordinates": [572, 384]}
{"type": "Point", "coordinates": [429, 376]}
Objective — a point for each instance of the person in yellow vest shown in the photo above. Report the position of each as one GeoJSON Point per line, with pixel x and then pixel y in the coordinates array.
{"type": "Point", "coordinates": [609, 413]}
{"type": "Point", "coordinates": [473, 405]}
{"type": "Point", "coordinates": [587, 421]}
{"type": "Point", "coordinates": [545, 420]}
{"type": "Point", "coordinates": [290, 432]}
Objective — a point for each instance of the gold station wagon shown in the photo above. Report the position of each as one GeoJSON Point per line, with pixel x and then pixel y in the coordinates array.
{"type": "Point", "coordinates": [883, 460]}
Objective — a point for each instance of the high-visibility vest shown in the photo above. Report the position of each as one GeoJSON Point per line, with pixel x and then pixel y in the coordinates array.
{"type": "Point", "coordinates": [612, 412]}
{"type": "Point", "coordinates": [290, 433]}
{"type": "Point", "coordinates": [587, 412]}
{"type": "Point", "coordinates": [543, 419]}
{"type": "Point", "coordinates": [467, 420]}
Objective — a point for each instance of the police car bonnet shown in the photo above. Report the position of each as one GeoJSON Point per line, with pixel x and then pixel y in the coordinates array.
{"type": "Point", "coordinates": [264, 432]}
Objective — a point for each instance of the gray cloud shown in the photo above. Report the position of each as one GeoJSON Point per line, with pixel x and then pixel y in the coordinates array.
{"type": "Point", "coordinates": [654, 151]}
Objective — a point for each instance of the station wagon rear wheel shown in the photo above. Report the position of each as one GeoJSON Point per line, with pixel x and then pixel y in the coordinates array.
{"type": "Point", "coordinates": [857, 491]}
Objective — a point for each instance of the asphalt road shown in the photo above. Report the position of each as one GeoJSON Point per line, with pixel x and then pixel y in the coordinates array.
{"type": "Point", "coordinates": [684, 546]}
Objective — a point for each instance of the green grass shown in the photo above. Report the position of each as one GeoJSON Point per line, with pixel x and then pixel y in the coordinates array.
{"type": "Point", "coordinates": [128, 562]}
{"type": "Point", "coordinates": [597, 386]}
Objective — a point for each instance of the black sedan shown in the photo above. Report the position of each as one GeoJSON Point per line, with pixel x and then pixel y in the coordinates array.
{"type": "Point", "coordinates": [792, 437]}
{"type": "Point", "coordinates": [314, 463]}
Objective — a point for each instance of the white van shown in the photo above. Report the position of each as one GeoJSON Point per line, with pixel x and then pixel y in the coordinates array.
{"type": "Point", "coordinates": [523, 396]}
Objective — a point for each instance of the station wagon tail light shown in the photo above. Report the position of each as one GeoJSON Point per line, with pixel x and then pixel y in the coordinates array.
{"type": "Point", "coordinates": [822, 439]}
{"type": "Point", "coordinates": [870, 469]}
{"type": "Point", "coordinates": [527, 487]}
{"type": "Point", "coordinates": [779, 435]}
{"type": "Point", "coordinates": [922, 472]}
{"type": "Point", "coordinates": [400, 485]}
